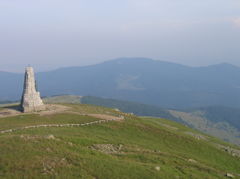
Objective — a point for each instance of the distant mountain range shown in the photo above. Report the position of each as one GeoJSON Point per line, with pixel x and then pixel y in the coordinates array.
{"type": "Point", "coordinates": [147, 81]}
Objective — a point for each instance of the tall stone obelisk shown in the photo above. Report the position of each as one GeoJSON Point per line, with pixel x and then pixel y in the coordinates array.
{"type": "Point", "coordinates": [31, 100]}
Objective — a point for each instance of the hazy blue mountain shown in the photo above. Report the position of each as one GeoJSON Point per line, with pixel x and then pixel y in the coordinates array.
{"type": "Point", "coordinates": [159, 83]}
{"type": "Point", "coordinates": [11, 85]}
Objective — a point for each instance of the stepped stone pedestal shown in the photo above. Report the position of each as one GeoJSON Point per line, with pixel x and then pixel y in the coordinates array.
{"type": "Point", "coordinates": [31, 100]}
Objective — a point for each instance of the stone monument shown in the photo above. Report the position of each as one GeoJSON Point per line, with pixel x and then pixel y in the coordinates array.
{"type": "Point", "coordinates": [31, 100]}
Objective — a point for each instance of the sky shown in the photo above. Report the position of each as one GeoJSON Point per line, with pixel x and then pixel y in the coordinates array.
{"type": "Point", "coordinates": [49, 34]}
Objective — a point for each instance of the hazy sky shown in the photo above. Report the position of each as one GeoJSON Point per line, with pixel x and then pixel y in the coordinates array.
{"type": "Point", "coordinates": [54, 33]}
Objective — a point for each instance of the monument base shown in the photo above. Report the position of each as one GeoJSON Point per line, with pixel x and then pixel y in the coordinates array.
{"type": "Point", "coordinates": [33, 109]}
{"type": "Point", "coordinates": [31, 100]}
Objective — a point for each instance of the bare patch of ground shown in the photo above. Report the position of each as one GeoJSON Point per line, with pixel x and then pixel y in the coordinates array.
{"type": "Point", "coordinates": [107, 148]}
{"type": "Point", "coordinates": [230, 150]}
{"type": "Point", "coordinates": [53, 109]}
{"type": "Point", "coordinates": [50, 110]}
{"type": "Point", "coordinates": [9, 112]}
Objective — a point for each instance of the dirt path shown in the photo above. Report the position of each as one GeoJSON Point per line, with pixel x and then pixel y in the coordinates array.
{"type": "Point", "coordinates": [8, 112]}
{"type": "Point", "coordinates": [54, 109]}
{"type": "Point", "coordinates": [57, 125]}
{"type": "Point", "coordinates": [50, 109]}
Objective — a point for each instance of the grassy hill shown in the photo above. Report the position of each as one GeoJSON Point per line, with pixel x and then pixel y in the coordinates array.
{"type": "Point", "coordinates": [222, 122]}
{"type": "Point", "coordinates": [136, 147]}
{"type": "Point", "coordinates": [218, 121]}
{"type": "Point", "coordinates": [125, 106]}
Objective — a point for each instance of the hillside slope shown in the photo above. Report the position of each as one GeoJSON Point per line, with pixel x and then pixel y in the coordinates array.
{"type": "Point", "coordinates": [218, 121]}
{"type": "Point", "coordinates": [133, 147]}
{"type": "Point", "coordinates": [141, 80]}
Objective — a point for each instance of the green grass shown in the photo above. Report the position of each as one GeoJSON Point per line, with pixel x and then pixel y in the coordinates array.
{"type": "Point", "coordinates": [221, 122]}
{"type": "Point", "coordinates": [29, 120]}
{"type": "Point", "coordinates": [147, 144]}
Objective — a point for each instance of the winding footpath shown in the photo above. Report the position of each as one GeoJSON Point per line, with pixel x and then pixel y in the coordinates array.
{"type": "Point", "coordinates": [56, 125]}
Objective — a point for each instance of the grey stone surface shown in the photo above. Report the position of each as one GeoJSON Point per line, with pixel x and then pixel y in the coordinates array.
{"type": "Point", "coordinates": [31, 100]}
